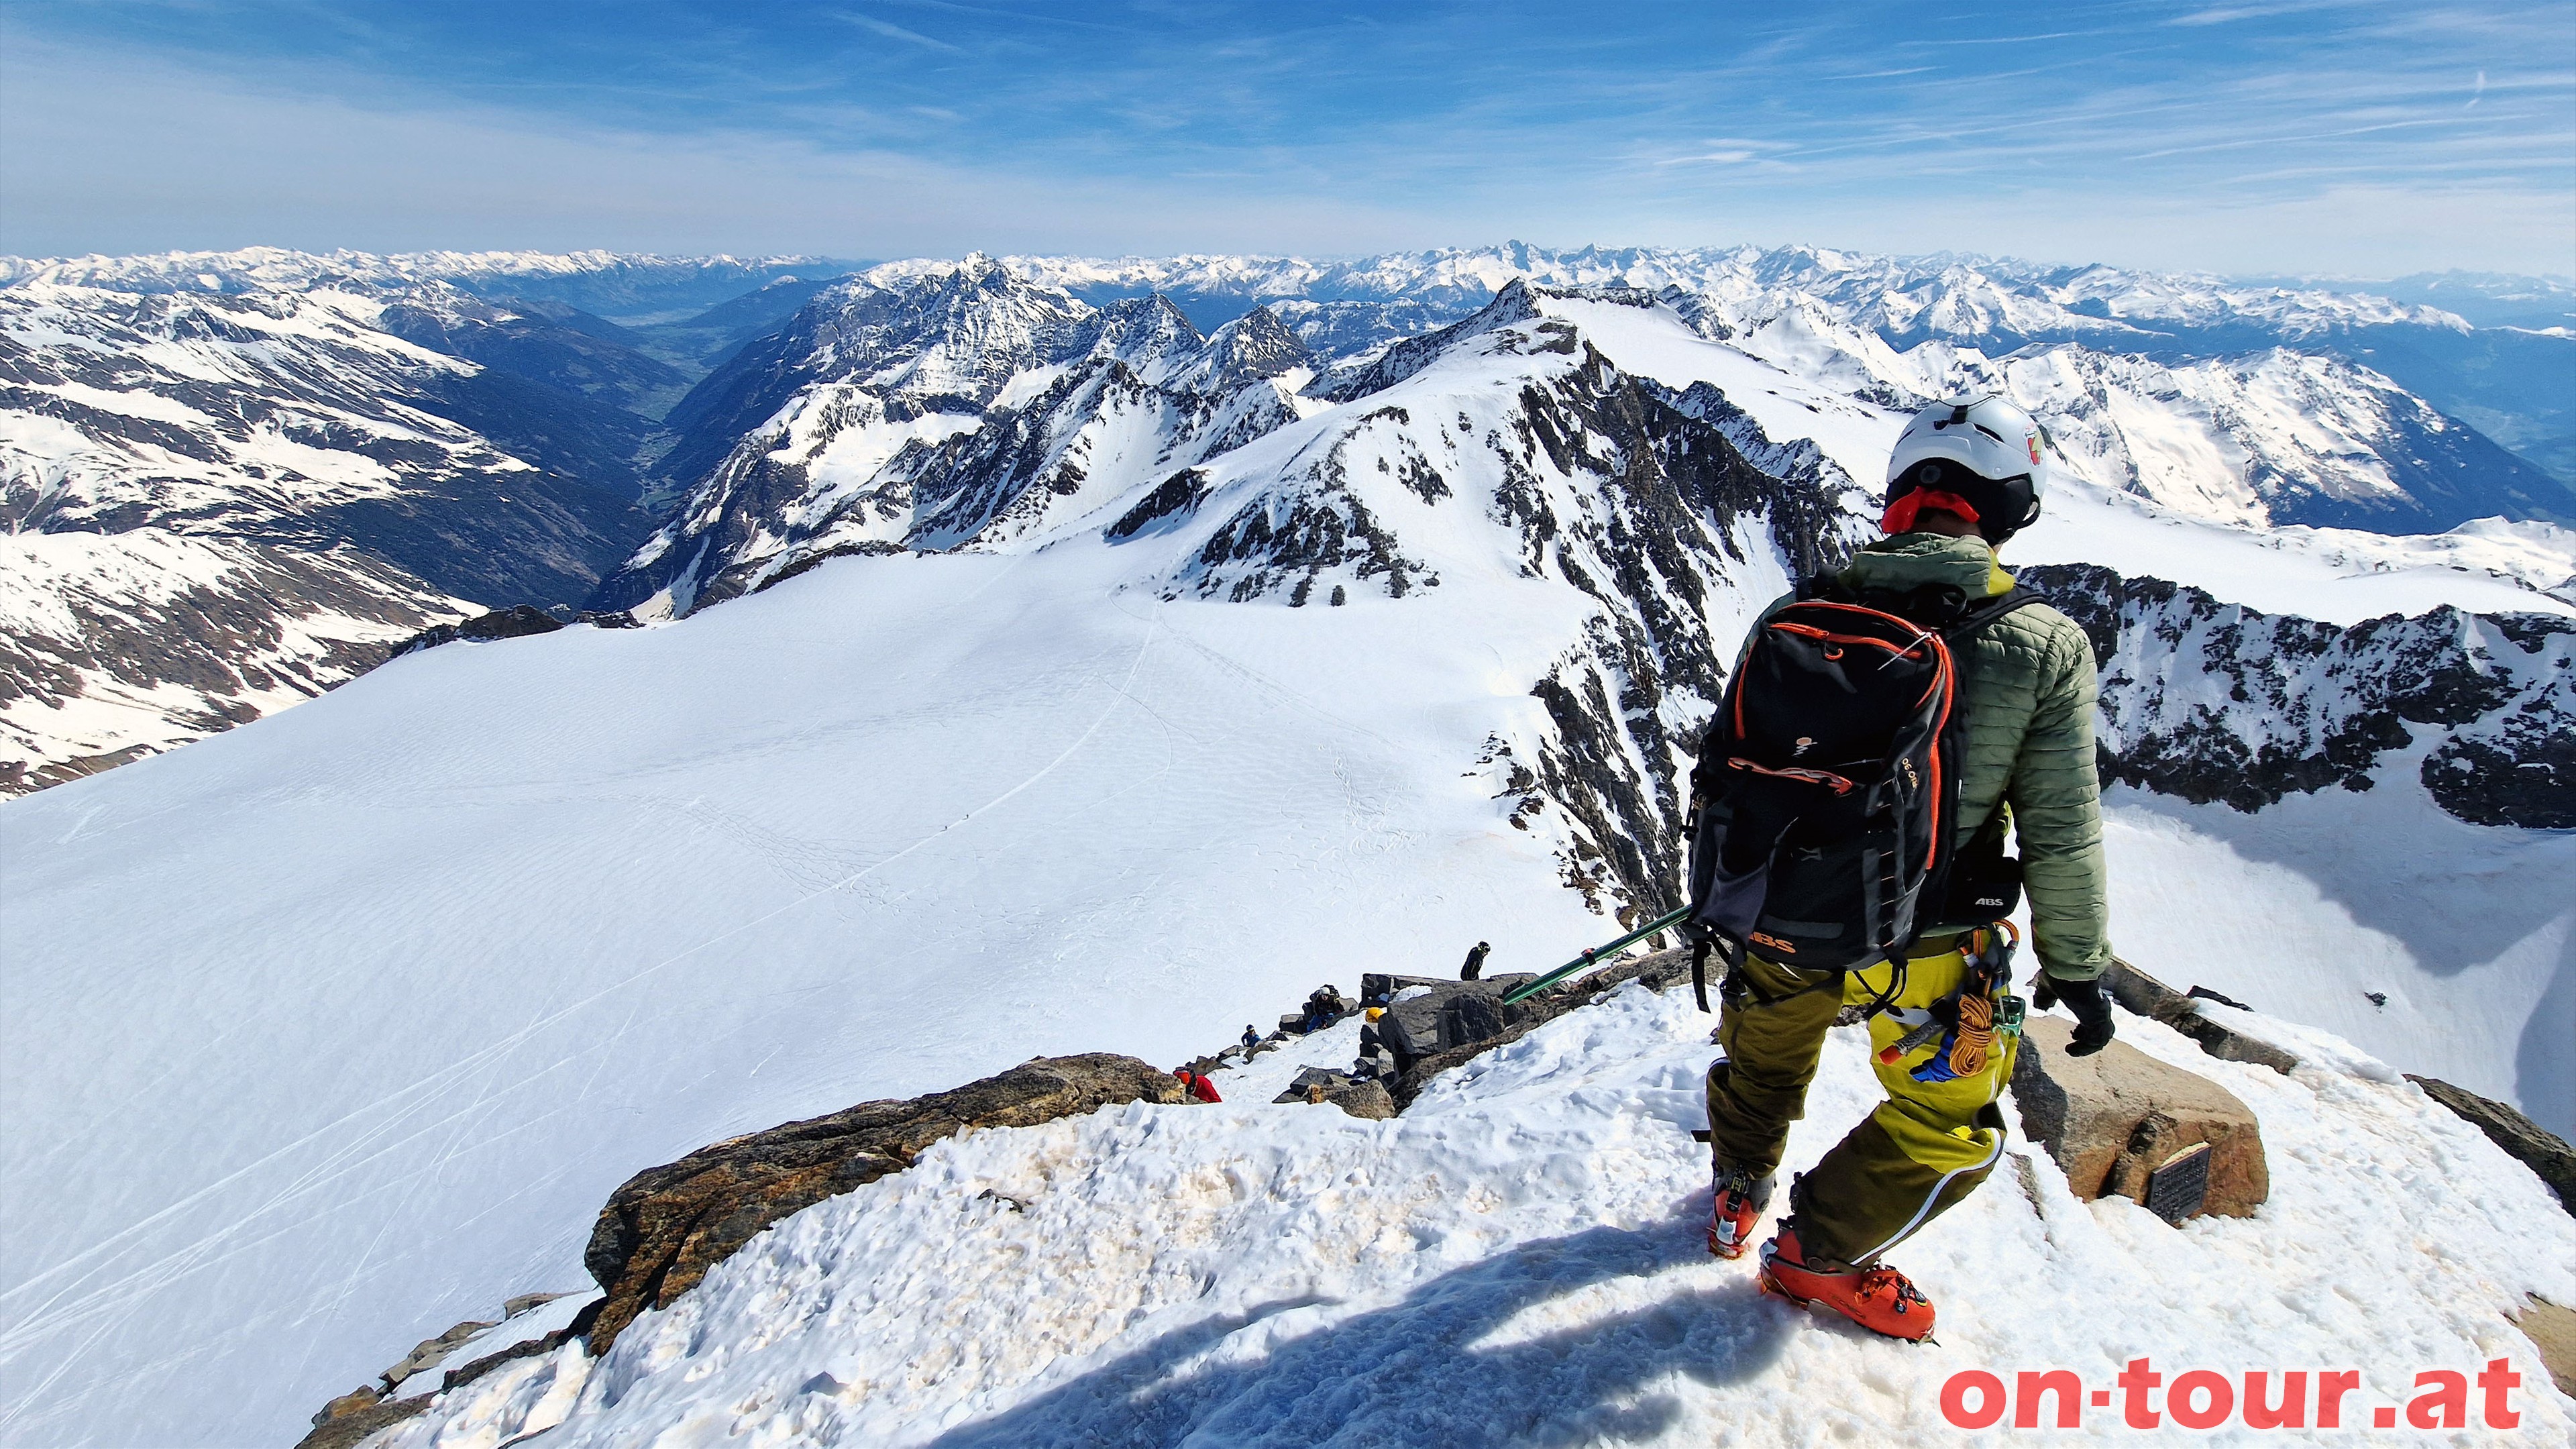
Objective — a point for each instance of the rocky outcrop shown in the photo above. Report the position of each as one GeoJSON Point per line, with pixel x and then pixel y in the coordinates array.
{"type": "Point", "coordinates": [2148, 997]}
{"type": "Point", "coordinates": [1360, 1097]}
{"type": "Point", "coordinates": [2525, 1141]}
{"type": "Point", "coordinates": [2214, 701]}
{"type": "Point", "coordinates": [2115, 1119]}
{"type": "Point", "coordinates": [363, 1411]}
{"type": "Point", "coordinates": [351, 1418]}
{"type": "Point", "coordinates": [513, 623]}
{"type": "Point", "coordinates": [662, 1230]}
{"type": "Point", "coordinates": [2552, 1330]}
{"type": "Point", "coordinates": [1659, 970]}
{"type": "Point", "coordinates": [1442, 1015]}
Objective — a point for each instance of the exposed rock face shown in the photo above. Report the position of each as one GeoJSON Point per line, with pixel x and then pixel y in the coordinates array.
{"type": "Point", "coordinates": [512, 623]}
{"type": "Point", "coordinates": [352, 1417]}
{"type": "Point", "coordinates": [2552, 1330]}
{"type": "Point", "coordinates": [2217, 702]}
{"type": "Point", "coordinates": [431, 1350]}
{"type": "Point", "coordinates": [2525, 1141]}
{"type": "Point", "coordinates": [662, 1230]}
{"type": "Point", "coordinates": [114, 646]}
{"type": "Point", "coordinates": [2148, 997]}
{"type": "Point", "coordinates": [2112, 1118]}
{"type": "Point", "coordinates": [916, 414]}
{"type": "Point", "coordinates": [215, 506]}
{"type": "Point", "coordinates": [1455, 1013]}
{"type": "Point", "coordinates": [1368, 1100]}
{"type": "Point", "coordinates": [1659, 970]}
{"type": "Point", "coordinates": [1323, 1086]}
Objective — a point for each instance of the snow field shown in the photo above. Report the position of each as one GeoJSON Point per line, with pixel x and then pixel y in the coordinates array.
{"type": "Point", "coordinates": [2302, 908]}
{"type": "Point", "coordinates": [420, 976]}
{"type": "Point", "coordinates": [1519, 1259]}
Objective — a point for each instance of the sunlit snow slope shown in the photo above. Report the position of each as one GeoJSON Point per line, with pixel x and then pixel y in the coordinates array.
{"type": "Point", "coordinates": [1519, 1259]}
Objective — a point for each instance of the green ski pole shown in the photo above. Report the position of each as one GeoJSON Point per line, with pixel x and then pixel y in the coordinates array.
{"type": "Point", "coordinates": [1595, 957]}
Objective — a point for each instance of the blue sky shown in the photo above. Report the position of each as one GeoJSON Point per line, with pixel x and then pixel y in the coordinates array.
{"type": "Point", "coordinates": [2352, 139]}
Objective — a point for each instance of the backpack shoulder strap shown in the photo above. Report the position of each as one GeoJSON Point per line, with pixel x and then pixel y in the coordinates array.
{"type": "Point", "coordinates": [1986, 611]}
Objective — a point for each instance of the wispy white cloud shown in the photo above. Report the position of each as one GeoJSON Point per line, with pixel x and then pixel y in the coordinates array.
{"type": "Point", "coordinates": [1182, 125]}
{"type": "Point", "coordinates": [892, 31]}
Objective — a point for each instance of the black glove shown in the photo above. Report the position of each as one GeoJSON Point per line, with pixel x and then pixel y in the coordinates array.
{"type": "Point", "coordinates": [2092, 1014]}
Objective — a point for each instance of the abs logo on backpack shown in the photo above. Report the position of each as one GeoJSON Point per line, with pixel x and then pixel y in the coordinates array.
{"type": "Point", "coordinates": [1825, 789]}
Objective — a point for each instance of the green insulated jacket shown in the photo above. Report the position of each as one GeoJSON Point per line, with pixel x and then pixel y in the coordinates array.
{"type": "Point", "coordinates": [2029, 688]}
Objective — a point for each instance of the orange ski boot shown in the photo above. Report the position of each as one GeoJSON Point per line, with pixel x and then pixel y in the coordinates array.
{"type": "Point", "coordinates": [1877, 1298]}
{"type": "Point", "coordinates": [1741, 1198]}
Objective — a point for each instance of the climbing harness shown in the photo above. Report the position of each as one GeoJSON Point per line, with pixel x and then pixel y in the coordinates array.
{"type": "Point", "coordinates": [1972, 1022]}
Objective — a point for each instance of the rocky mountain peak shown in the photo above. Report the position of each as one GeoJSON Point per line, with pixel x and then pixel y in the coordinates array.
{"type": "Point", "coordinates": [1149, 334]}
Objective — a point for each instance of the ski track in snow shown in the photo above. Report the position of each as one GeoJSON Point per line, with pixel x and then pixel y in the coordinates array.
{"type": "Point", "coordinates": [1519, 1260]}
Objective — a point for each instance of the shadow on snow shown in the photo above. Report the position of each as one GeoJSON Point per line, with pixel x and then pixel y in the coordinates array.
{"type": "Point", "coordinates": [1414, 1372]}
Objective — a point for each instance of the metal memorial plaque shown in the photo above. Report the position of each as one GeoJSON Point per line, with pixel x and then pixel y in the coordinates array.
{"type": "Point", "coordinates": [2177, 1189]}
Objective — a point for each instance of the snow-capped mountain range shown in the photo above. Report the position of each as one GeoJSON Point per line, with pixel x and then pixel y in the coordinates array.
{"type": "Point", "coordinates": [270, 489]}
{"type": "Point", "coordinates": [916, 404]}
{"type": "Point", "coordinates": [1028, 673]}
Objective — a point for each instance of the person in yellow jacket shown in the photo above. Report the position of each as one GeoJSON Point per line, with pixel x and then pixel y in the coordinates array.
{"type": "Point", "coordinates": [1965, 475]}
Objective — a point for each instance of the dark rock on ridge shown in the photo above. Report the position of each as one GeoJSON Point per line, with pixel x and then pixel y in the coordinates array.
{"type": "Point", "coordinates": [2525, 1141]}
{"type": "Point", "coordinates": [2148, 997]}
{"type": "Point", "coordinates": [351, 1419]}
{"type": "Point", "coordinates": [2300, 705]}
{"type": "Point", "coordinates": [516, 622]}
{"type": "Point", "coordinates": [662, 1230]}
{"type": "Point", "coordinates": [1659, 970]}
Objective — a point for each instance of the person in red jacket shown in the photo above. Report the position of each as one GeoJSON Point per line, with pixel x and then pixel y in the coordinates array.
{"type": "Point", "coordinates": [1198, 1085]}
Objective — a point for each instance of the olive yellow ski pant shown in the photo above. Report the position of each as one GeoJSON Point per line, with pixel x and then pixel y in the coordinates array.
{"type": "Point", "coordinates": [1924, 1149]}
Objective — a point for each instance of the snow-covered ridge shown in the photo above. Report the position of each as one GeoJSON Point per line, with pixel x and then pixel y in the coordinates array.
{"type": "Point", "coordinates": [1941, 295]}
{"type": "Point", "coordinates": [2214, 701]}
{"type": "Point", "coordinates": [1518, 1259]}
{"type": "Point", "coordinates": [2258, 439]}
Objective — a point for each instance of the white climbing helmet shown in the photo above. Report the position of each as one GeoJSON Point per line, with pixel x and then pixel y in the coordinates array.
{"type": "Point", "coordinates": [1978, 448]}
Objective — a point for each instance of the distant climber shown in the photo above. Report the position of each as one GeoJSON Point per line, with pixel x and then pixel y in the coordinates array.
{"type": "Point", "coordinates": [1197, 1084]}
{"type": "Point", "coordinates": [1324, 1007]}
{"type": "Point", "coordinates": [1965, 476]}
{"type": "Point", "coordinates": [1251, 1038]}
{"type": "Point", "coordinates": [1475, 966]}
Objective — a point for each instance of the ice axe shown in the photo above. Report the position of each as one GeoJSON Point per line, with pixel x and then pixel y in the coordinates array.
{"type": "Point", "coordinates": [1594, 956]}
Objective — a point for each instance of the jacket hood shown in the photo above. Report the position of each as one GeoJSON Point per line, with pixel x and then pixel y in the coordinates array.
{"type": "Point", "coordinates": [1911, 560]}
